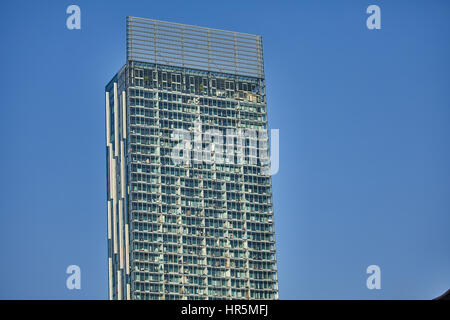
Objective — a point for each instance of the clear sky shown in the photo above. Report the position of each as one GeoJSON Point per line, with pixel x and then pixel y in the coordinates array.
{"type": "Point", "coordinates": [364, 129]}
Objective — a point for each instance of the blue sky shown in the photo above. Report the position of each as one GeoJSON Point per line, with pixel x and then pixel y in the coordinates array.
{"type": "Point", "coordinates": [364, 141]}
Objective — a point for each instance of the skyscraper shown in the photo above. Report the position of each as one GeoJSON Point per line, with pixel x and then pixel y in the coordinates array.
{"type": "Point", "coordinates": [189, 192]}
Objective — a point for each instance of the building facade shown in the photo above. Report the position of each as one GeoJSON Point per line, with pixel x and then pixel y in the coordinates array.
{"type": "Point", "coordinates": [189, 194]}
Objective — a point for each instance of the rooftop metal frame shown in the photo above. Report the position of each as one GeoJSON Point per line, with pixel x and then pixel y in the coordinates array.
{"type": "Point", "coordinates": [194, 47]}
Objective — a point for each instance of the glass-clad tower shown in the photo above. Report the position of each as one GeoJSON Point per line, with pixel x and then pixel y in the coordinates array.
{"type": "Point", "coordinates": [189, 194]}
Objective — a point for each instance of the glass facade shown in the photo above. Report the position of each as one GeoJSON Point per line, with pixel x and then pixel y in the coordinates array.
{"type": "Point", "coordinates": [190, 212]}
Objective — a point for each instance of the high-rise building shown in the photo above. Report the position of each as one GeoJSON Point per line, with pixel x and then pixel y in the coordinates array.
{"type": "Point", "coordinates": [189, 194]}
